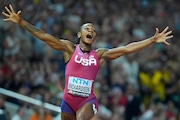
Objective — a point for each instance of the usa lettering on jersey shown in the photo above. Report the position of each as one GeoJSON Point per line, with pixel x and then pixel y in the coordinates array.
{"type": "Point", "coordinates": [84, 61]}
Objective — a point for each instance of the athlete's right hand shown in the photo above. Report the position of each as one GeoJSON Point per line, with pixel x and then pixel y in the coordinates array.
{"type": "Point", "coordinates": [11, 15]}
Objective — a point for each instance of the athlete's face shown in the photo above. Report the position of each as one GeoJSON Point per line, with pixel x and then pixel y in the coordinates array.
{"type": "Point", "coordinates": [87, 34]}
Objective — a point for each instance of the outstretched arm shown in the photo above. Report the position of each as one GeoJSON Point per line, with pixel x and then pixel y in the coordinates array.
{"type": "Point", "coordinates": [159, 37]}
{"type": "Point", "coordinates": [52, 41]}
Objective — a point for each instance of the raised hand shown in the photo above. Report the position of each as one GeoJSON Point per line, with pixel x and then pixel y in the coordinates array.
{"type": "Point", "coordinates": [11, 15]}
{"type": "Point", "coordinates": [163, 36]}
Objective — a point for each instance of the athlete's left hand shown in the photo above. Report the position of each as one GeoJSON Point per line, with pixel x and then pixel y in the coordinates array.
{"type": "Point", "coordinates": [161, 37]}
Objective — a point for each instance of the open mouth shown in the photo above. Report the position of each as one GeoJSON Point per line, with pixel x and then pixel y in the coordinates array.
{"type": "Point", "coordinates": [89, 36]}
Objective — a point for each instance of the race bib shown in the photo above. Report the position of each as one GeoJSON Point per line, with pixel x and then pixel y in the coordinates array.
{"type": "Point", "coordinates": [79, 86]}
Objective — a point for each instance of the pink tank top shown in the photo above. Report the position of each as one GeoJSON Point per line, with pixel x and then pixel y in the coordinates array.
{"type": "Point", "coordinates": [80, 74]}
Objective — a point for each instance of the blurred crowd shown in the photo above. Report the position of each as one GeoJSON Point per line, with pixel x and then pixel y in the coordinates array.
{"type": "Point", "coordinates": [139, 86]}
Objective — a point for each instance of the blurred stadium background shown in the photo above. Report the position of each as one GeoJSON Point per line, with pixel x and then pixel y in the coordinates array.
{"type": "Point", "coordinates": [140, 86]}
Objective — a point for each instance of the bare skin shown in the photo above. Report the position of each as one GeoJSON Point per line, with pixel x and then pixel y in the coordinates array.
{"type": "Point", "coordinates": [67, 48]}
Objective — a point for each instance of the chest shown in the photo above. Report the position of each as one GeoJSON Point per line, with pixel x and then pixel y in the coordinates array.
{"type": "Point", "coordinates": [84, 65]}
{"type": "Point", "coordinates": [84, 60]}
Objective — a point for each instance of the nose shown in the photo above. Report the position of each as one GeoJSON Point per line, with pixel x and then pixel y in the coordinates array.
{"type": "Point", "coordinates": [90, 30]}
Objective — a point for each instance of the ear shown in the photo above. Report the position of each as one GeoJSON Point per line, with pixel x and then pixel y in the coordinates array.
{"type": "Point", "coordinates": [79, 34]}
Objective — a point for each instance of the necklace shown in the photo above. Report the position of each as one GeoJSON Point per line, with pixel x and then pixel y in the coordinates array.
{"type": "Point", "coordinates": [84, 51]}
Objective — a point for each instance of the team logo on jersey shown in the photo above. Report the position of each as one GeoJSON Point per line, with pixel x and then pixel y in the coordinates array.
{"type": "Point", "coordinates": [84, 61]}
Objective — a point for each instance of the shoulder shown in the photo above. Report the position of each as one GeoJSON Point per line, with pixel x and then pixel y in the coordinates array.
{"type": "Point", "coordinates": [67, 44]}
{"type": "Point", "coordinates": [68, 49]}
{"type": "Point", "coordinates": [101, 51]}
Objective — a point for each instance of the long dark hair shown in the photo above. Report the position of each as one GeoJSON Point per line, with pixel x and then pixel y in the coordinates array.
{"type": "Point", "coordinates": [76, 41]}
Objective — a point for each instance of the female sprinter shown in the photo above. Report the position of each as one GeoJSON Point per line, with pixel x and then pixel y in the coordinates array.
{"type": "Point", "coordinates": [82, 63]}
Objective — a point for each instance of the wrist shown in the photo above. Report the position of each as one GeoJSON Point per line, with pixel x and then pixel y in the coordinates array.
{"type": "Point", "coordinates": [22, 23]}
{"type": "Point", "coordinates": [152, 40]}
